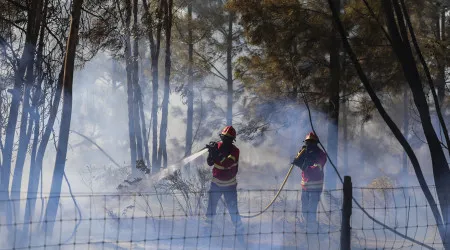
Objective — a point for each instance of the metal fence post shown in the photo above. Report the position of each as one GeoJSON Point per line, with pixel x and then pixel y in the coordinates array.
{"type": "Point", "coordinates": [346, 214]}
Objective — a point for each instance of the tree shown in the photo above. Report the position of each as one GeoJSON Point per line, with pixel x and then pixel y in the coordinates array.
{"type": "Point", "coordinates": [130, 87]}
{"type": "Point", "coordinates": [401, 46]}
{"type": "Point", "coordinates": [190, 87]}
{"type": "Point", "coordinates": [26, 121]}
{"type": "Point", "coordinates": [58, 172]}
{"type": "Point", "coordinates": [26, 61]}
{"type": "Point", "coordinates": [229, 40]}
{"type": "Point", "coordinates": [333, 102]}
{"type": "Point", "coordinates": [162, 151]}
{"type": "Point", "coordinates": [154, 26]}
{"type": "Point", "coordinates": [137, 89]}
{"type": "Point", "coordinates": [191, 69]}
{"type": "Point", "coordinates": [405, 127]}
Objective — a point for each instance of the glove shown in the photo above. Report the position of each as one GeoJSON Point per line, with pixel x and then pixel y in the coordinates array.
{"type": "Point", "coordinates": [297, 160]}
{"type": "Point", "coordinates": [211, 146]}
{"type": "Point", "coordinates": [213, 150]}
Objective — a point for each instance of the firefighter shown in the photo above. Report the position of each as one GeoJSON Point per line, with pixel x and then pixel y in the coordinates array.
{"type": "Point", "coordinates": [311, 160]}
{"type": "Point", "coordinates": [224, 157]}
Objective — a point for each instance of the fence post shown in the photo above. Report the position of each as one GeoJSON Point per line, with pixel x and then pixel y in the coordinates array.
{"type": "Point", "coordinates": [346, 214]}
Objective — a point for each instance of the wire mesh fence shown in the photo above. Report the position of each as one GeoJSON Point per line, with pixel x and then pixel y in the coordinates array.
{"type": "Point", "coordinates": [403, 209]}
{"type": "Point", "coordinates": [176, 220]}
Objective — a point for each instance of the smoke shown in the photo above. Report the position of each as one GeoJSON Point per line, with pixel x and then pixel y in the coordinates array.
{"type": "Point", "coordinates": [100, 112]}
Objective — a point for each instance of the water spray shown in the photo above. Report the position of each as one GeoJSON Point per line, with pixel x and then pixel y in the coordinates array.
{"type": "Point", "coordinates": [174, 167]}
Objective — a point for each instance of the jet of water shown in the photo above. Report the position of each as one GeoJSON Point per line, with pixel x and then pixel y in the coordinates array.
{"type": "Point", "coordinates": [174, 167]}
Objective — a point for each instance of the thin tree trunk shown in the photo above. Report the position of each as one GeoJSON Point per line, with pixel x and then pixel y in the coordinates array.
{"type": "Point", "coordinates": [345, 132]}
{"type": "Point", "coordinates": [60, 163]}
{"type": "Point", "coordinates": [362, 160]}
{"type": "Point", "coordinates": [24, 140]}
{"type": "Point", "coordinates": [230, 69]}
{"type": "Point", "coordinates": [36, 162]}
{"type": "Point", "coordinates": [130, 89]}
{"type": "Point", "coordinates": [137, 125]}
{"type": "Point", "coordinates": [140, 90]}
{"type": "Point", "coordinates": [137, 93]}
{"type": "Point", "coordinates": [155, 43]}
{"type": "Point", "coordinates": [440, 81]}
{"type": "Point", "coordinates": [34, 118]}
{"type": "Point", "coordinates": [154, 117]}
{"type": "Point", "coordinates": [162, 152]}
{"type": "Point", "coordinates": [405, 128]}
{"type": "Point", "coordinates": [333, 104]}
{"type": "Point", "coordinates": [190, 87]}
{"type": "Point", "coordinates": [26, 124]}
{"type": "Point", "coordinates": [27, 56]}
{"type": "Point", "coordinates": [143, 127]}
{"type": "Point", "coordinates": [1, 122]}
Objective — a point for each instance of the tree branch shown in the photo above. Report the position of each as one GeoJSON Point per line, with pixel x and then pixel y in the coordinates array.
{"type": "Point", "coordinates": [92, 14]}
{"type": "Point", "coordinates": [18, 5]}
{"type": "Point", "coordinates": [219, 74]}
{"type": "Point", "coordinates": [13, 23]}
{"type": "Point", "coordinates": [103, 151]}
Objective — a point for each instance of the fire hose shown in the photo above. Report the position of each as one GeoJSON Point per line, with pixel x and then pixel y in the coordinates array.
{"type": "Point", "coordinates": [274, 198]}
{"type": "Point", "coordinates": [204, 150]}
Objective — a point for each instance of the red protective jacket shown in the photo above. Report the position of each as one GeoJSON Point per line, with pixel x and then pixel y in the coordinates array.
{"type": "Point", "coordinates": [226, 167]}
{"type": "Point", "coordinates": [311, 161]}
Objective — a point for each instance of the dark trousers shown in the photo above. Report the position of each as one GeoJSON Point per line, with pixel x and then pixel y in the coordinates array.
{"type": "Point", "coordinates": [230, 195]}
{"type": "Point", "coordinates": [310, 203]}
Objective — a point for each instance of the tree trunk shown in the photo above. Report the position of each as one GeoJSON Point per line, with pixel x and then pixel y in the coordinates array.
{"type": "Point", "coordinates": [144, 130]}
{"type": "Point", "coordinates": [137, 93]}
{"type": "Point", "coordinates": [162, 152]}
{"type": "Point", "coordinates": [34, 118]}
{"type": "Point", "coordinates": [58, 172]}
{"type": "Point", "coordinates": [333, 104]}
{"type": "Point", "coordinates": [405, 128]}
{"type": "Point", "coordinates": [154, 117]}
{"type": "Point", "coordinates": [26, 59]}
{"type": "Point", "coordinates": [230, 69]}
{"type": "Point", "coordinates": [27, 121]}
{"type": "Point", "coordinates": [440, 81]}
{"type": "Point", "coordinates": [155, 43]}
{"type": "Point", "coordinates": [130, 89]}
{"type": "Point", "coordinates": [36, 162]}
{"type": "Point", "coordinates": [345, 133]}
{"type": "Point", "coordinates": [1, 122]}
{"type": "Point", "coordinates": [362, 160]}
{"type": "Point", "coordinates": [24, 140]}
{"type": "Point", "coordinates": [143, 127]}
{"type": "Point", "coordinates": [190, 87]}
